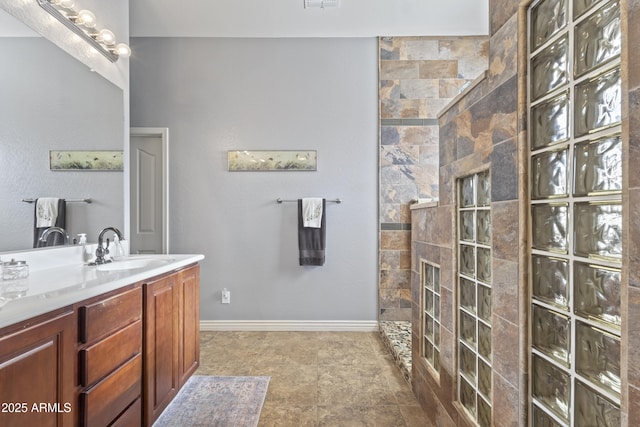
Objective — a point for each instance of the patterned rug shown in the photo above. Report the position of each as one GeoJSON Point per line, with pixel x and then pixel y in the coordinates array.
{"type": "Point", "coordinates": [216, 401]}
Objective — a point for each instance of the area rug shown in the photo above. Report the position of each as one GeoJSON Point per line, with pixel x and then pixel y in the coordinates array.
{"type": "Point", "coordinates": [216, 401]}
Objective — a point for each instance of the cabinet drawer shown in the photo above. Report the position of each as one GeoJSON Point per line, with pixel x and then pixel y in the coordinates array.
{"type": "Point", "coordinates": [131, 417]}
{"type": "Point", "coordinates": [110, 314]}
{"type": "Point", "coordinates": [105, 356]}
{"type": "Point", "coordinates": [111, 396]}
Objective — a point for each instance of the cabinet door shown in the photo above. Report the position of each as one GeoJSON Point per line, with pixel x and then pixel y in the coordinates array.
{"type": "Point", "coordinates": [189, 311]}
{"type": "Point", "coordinates": [37, 374]}
{"type": "Point", "coordinates": [160, 346]}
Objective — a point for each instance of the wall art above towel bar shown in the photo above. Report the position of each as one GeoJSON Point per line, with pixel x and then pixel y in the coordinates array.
{"type": "Point", "coordinates": [67, 200]}
{"type": "Point", "coordinates": [337, 200]}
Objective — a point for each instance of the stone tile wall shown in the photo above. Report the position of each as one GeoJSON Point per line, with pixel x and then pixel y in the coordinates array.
{"type": "Point", "coordinates": [478, 132]}
{"type": "Point", "coordinates": [484, 129]}
{"type": "Point", "coordinates": [418, 77]}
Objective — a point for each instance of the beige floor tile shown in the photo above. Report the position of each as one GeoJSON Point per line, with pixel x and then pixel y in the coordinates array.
{"type": "Point", "coordinates": [357, 416]}
{"type": "Point", "coordinates": [317, 378]}
{"type": "Point", "coordinates": [296, 385]}
{"type": "Point", "coordinates": [275, 415]}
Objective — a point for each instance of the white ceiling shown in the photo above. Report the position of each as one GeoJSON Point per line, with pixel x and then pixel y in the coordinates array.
{"type": "Point", "coordinates": [289, 18]}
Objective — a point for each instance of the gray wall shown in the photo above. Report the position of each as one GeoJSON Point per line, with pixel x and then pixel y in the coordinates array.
{"type": "Point", "coordinates": [216, 95]}
{"type": "Point", "coordinates": [51, 101]}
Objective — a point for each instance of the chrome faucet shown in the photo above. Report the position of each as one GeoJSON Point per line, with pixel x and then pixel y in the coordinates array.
{"type": "Point", "coordinates": [46, 233]}
{"type": "Point", "coordinates": [103, 250]}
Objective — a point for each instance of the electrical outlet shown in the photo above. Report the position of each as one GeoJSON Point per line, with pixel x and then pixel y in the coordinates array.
{"type": "Point", "coordinates": [226, 296]}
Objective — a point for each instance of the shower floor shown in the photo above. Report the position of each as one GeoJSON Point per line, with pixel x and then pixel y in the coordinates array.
{"type": "Point", "coordinates": [396, 335]}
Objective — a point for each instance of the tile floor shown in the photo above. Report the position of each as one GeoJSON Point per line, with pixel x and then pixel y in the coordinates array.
{"type": "Point", "coordinates": [317, 378]}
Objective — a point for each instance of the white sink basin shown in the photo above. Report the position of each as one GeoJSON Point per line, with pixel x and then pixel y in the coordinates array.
{"type": "Point", "coordinates": [133, 262]}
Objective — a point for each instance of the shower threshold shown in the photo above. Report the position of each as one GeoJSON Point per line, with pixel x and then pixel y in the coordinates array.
{"type": "Point", "coordinates": [396, 336]}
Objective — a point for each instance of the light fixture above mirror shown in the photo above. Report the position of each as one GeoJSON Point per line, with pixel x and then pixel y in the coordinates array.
{"type": "Point", "coordinates": [83, 23]}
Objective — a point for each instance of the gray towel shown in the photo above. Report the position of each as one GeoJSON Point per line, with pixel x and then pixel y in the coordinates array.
{"type": "Point", "coordinates": [311, 241]}
{"type": "Point", "coordinates": [61, 221]}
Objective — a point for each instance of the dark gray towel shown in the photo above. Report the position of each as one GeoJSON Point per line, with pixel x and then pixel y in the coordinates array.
{"type": "Point", "coordinates": [61, 221]}
{"type": "Point", "coordinates": [311, 241]}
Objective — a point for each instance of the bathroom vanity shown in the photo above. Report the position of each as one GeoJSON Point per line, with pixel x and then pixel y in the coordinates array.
{"type": "Point", "coordinates": [111, 347]}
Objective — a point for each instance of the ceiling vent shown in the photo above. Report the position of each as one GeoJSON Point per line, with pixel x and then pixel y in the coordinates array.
{"type": "Point", "coordinates": [322, 4]}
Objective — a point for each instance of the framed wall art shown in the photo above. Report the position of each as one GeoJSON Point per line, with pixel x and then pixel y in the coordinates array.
{"type": "Point", "coordinates": [86, 160]}
{"type": "Point", "coordinates": [272, 160]}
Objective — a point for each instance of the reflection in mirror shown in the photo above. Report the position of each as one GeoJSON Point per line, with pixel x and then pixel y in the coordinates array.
{"type": "Point", "coordinates": [51, 101]}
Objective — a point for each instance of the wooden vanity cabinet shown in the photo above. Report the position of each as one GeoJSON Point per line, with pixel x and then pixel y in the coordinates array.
{"type": "Point", "coordinates": [37, 371]}
{"type": "Point", "coordinates": [110, 358]}
{"type": "Point", "coordinates": [171, 337]}
{"type": "Point", "coordinates": [116, 360]}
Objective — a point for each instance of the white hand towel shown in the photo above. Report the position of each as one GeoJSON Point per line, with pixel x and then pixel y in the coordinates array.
{"type": "Point", "coordinates": [312, 212]}
{"type": "Point", "coordinates": [46, 211]}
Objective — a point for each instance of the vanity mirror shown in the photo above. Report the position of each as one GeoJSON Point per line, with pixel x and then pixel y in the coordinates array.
{"type": "Point", "coordinates": [51, 101]}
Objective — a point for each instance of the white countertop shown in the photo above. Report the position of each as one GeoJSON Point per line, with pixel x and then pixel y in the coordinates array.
{"type": "Point", "coordinates": [55, 287]}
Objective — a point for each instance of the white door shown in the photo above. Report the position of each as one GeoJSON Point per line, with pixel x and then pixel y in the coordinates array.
{"type": "Point", "coordinates": [148, 187]}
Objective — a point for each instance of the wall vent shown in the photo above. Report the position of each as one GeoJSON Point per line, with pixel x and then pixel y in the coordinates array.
{"type": "Point", "coordinates": [322, 4]}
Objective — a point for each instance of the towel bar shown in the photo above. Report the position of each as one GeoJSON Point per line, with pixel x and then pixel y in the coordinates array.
{"type": "Point", "coordinates": [289, 201]}
{"type": "Point", "coordinates": [68, 200]}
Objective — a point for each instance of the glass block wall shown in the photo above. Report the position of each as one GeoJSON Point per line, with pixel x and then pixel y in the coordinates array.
{"type": "Point", "coordinates": [431, 315]}
{"type": "Point", "coordinates": [574, 104]}
{"type": "Point", "coordinates": [474, 297]}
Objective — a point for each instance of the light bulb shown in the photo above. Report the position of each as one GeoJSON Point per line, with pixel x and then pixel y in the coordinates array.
{"type": "Point", "coordinates": [107, 37]}
{"type": "Point", "coordinates": [123, 50]}
{"type": "Point", "coordinates": [87, 18]}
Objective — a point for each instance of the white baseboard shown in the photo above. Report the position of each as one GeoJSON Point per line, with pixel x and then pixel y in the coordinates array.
{"type": "Point", "coordinates": [290, 325]}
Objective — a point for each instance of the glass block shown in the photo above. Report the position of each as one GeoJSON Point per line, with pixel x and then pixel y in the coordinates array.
{"type": "Point", "coordinates": [467, 226]}
{"type": "Point", "coordinates": [597, 293]}
{"type": "Point", "coordinates": [428, 350]}
{"type": "Point", "coordinates": [549, 222]}
{"type": "Point", "coordinates": [592, 409]}
{"type": "Point", "coordinates": [598, 356]}
{"type": "Point", "coordinates": [598, 38]}
{"type": "Point", "coordinates": [428, 302]}
{"type": "Point", "coordinates": [581, 6]}
{"type": "Point", "coordinates": [436, 280]}
{"type": "Point", "coordinates": [550, 280]}
{"type": "Point", "coordinates": [549, 69]}
{"type": "Point", "coordinates": [483, 227]}
{"type": "Point", "coordinates": [467, 192]}
{"type": "Point", "coordinates": [428, 326]}
{"type": "Point", "coordinates": [598, 230]}
{"type": "Point", "coordinates": [484, 378]}
{"type": "Point", "coordinates": [484, 413]}
{"type": "Point", "coordinates": [598, 103]}
{"type": "Point", "coordinates": [468, 329]}
{"type": "Point", "coordinates": [436, 334]}
{"type": "Point", "coordinates": [484, 189]}
{"type": "Point", "coordinates": [436, 360]}
{"type": "Point", "coordinates": [549, 174]}
{"type": "Point", "coordinates": [598, 166]}
{"type": "Point", "coordinates": [484, 265]}
{"type": "Point", "coordinates": [541, 419]}
{"type": "Point", "coordinates": [467, 260]}
{"type": "Point", "coordinates": [484, 340]}
{"type": "Point", "coordinates": [468, 363]}
{"type": "Point", "coordinates": [552, 334]}
{"type": "Point", "coordinates": [436, 306]}
{"type": "Point", "coordinates": [467, 396]}
{"type": "Point", "coordinates": [552, 387]}
{"type": "Point", "coordinates": [467, 294]}
{"type": "Point", "coordinates": [547, 19]}
{"type": "Point", "coordinates": [550, 122]}
{"type": "Point", "coordinates": [428, 276]}
{"type": "Point", "coordinates": [484, 303]}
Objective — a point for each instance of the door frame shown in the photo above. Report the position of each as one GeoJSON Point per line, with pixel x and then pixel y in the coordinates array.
{"type": "Point", "coordinates": [163, 133]}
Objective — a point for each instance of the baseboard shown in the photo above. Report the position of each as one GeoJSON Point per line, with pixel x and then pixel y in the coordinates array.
{"type": "Point", "coordinates": [290, 325]}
